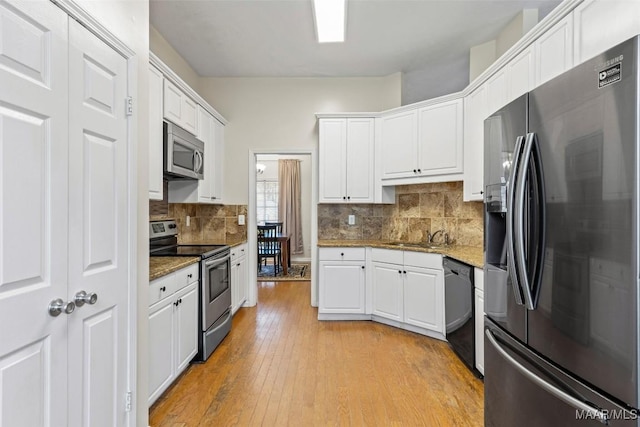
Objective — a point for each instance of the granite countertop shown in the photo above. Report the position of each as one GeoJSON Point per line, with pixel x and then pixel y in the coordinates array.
{"type": "Point", "coordinates": [162, 265]}
{"type": "Point", "coordinates": [469, 254]}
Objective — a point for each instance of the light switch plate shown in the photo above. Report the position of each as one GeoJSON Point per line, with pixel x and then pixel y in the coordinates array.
{"type": "Point", "coordinates": [352, 220]}
{"type": "Point", "coordinates": [240, 219]}
{"type": "Point", "coordinates": [188, 221]}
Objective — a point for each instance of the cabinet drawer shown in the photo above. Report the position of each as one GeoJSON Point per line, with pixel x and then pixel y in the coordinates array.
{"type": "Point", "coordinates": [421, 259]}
{"type": "Point", "coordinates": [391, 256]}
{"type": "Point", "coordinates": [162, 288]}
{"type": "Point", "coordinates": [238, 251]}
{"type": "Point", "coordinates": [187, 276]}
{"type": "Point", "coordinates": [341, 254]}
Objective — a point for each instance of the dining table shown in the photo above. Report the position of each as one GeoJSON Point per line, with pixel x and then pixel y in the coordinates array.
{"type": "Point", "coordinates": [284, 241]}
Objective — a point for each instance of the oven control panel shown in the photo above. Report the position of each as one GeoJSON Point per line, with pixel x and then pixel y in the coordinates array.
{"type": "Point", "coordinates": [162, 228]}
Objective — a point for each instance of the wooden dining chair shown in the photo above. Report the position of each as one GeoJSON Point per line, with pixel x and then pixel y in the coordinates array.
{"type": "Point", "coordinates": [269, 247]}
{"type": "Point", "coordinates": [277, 224]}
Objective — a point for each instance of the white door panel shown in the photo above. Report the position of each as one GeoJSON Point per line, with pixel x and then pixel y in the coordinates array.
{"type": "Point", "coordinates": [33, 212]}
{"type": "Point", "coordinates": [98, 229]}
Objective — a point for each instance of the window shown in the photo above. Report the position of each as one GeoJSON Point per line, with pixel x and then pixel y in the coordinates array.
{"type": "Point", "coordinates": [267, 201]}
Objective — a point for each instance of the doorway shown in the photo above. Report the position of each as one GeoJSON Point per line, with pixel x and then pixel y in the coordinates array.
{"type": "Point", "coordinates": [309, 196]}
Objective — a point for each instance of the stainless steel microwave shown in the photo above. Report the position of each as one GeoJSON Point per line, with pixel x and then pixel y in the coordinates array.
{"type": "Point", "coordinates": [183, 153]}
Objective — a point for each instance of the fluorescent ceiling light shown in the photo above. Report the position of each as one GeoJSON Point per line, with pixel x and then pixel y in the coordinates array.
{"type": "Point", "coordinates": [330, 20]}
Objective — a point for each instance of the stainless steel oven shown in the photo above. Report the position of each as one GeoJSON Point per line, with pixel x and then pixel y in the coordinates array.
{"type": "Point", "coordinates": [216, 300]}
{"type": "Point", "coordinates": [214, 317]}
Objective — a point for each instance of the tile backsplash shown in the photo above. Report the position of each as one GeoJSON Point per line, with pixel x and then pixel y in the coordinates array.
{"type": "Point", "coordinates": [418, 209]}
{"type": "Point", "coordinates": [208, 223]}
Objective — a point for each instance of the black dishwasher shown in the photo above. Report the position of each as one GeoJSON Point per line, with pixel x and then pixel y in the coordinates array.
{"type": "Point", "coordinates": [459, 310]}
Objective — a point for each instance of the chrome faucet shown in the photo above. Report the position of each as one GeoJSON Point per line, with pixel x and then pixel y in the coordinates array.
{"type": "Point", "coordinates": [431, 236]}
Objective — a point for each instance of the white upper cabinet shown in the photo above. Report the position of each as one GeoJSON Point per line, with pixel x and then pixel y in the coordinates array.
{"type": "Point", "coordinates": [423, 142]}
{"type": "Point", "coordinates": [554, 50]}
{"type": "Point", "coordinates": [600, 25]}
{"type": "Point", "coordinates": [217, 185]}
{"type": "Point", "coordinates": [399, 144]}
{"type": "Point", "coordinates": [440, 138]}
{"type": "Point", "coordinates": [155, 134]}
{"type": "Point", "coordinates": [521, 74]}
{"type": "Point", "coordinates": [496, 92]}
{"type": "Point", "coordinates": [346, 160]}
{"type": "Point", "coordinates": [179, 108]}
{"type": "Point", "coordinates": [475, 112]}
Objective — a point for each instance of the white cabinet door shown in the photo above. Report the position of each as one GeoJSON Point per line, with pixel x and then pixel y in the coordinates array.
{"type": "Point", "coordinates": [217, 186]}
{"type": "Point", "coordinates": [235, 295]}
{"type": "Point", "coordinates": [440, 138]}
{"type": "Point", "coordinates": [33, 213]}
{"type": "Point", "coordinates": [475, 112]}
{"type": "Point", "coordinates": [359, 160]}
{"type": "Point", "coordinates": [496, 91]}
{"type": "Point", "coordinates": [387, 291]}
{"type": "Point", "coordinates": [155, 134]}
{"type": "Point", "coordinates": [602, 24]}
{"type": "Point", "coordinates": [479, 329]}
{"type": "Point", "coordinates": [554, 50]}
{"type": "Point", "coordinates": [242, 281]}
{"type": "Point", "coordinates": [179, 108]}
{"type": "Point", "coordinates": [521, 74]}
{"type": "Point", "coordinates": [332, 160]}
{"type": "Point", "coordinates": [205, 133]}
{"type": "Point", "coordinates": [98, 229]}
{"type": "Point", "coordinates": [161, 343]}
{"type": "Point", "coordinates": [186, 325]}
{"type": "Point", "coordinates": [424, 298]}
{"type": "Point", "coordinates": [342, 287]}
{"type": "Point", "coordinates": [400, 145]}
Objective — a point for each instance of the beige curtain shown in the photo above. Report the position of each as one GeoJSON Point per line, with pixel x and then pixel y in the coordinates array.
{"type": "Point", "coordinates": [289, 202]}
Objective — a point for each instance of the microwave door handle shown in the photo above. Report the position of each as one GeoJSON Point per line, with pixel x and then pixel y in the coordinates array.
{"type": "Point", "coordinates": [511, 214]}
{"type": "Point", "coordinates": [200, 161]}
{"type": "Point", "coordinates": [578, 404]}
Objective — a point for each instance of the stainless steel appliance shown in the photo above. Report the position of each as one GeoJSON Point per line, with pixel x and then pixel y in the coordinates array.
{"type": "Point", "coordinates": [183, 153]}
{"type": "Point", "coordinates": [459, 310]}
{"type": "Point", "coordinates": [561, 248]}
{"type": "Point", "coordinates": [215, 292]}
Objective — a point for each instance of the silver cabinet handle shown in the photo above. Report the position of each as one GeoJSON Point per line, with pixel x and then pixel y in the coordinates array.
{"type": "Point", "coordinates": [597, 413]}
{"type": "Point", "coordinates": [83, 298]}
{"type": "Point", "coordinates": [58, 306]}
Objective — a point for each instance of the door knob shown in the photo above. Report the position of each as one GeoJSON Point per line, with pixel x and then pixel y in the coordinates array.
{"type": "Point", "coordinates": [58, 306]}
{"type": "Point", "coordinates": [83, 298]}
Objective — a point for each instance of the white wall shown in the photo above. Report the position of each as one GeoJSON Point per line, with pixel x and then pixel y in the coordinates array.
{"type": "Point", "coordinates": [278, 113]}
{"type": "Point", "coordinates": [518, 27]}
{"type": "Point", "coordinates": [163, 50]}
{"type": "Point", "coordinates": [441, 78]}
{"type": "Point", "coordinates": [129, 21]}
{"type": "Point", "coordinates": [271, 173]}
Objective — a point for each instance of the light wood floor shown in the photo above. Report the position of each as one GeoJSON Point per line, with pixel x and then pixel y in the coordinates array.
{"type": "Point", "coordinates": [281, 366]}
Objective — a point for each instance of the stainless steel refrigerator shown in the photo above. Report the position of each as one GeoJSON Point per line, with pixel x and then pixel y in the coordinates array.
{"type": "Point", "coordinates": [561, 249]}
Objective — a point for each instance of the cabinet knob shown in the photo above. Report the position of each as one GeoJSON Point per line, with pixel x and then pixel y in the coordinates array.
{"type": "Point", "coordinates": [404, 272]}
{"type": "Point", "coordinates": [419, 171]}
{"type": "Point", "coordinates": [162, 289]}
{"type": "Point", "coordinates": [189, 275]}
{"type": "Point", "coordinates": [399, 271]}
{"type": "Point", "coordinates": [415, 171]}
{"type": "Point", "coordinates": [363, 267]}
{"type": "Point", "coordinates": [348, 197]}
{"type": "Point", "coordinates": [341, 253]}
{"type": "Point", "coordinates": [344, 197]}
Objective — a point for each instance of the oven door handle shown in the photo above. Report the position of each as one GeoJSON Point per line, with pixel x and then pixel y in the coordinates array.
{"type": "Point", "coordinates": [216, 262]}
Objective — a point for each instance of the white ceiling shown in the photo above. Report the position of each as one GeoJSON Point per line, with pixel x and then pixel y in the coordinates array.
{"type": "Point", "coordinates": [276, 38]}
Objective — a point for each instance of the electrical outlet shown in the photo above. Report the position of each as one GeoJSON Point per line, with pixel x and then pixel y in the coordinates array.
{"type": "Point", "coordinates": [240, 219]}
{"type": "Point", "coordinates": [352, 220]}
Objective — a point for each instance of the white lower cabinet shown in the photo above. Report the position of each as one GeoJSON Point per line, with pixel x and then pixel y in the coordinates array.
{"type": "Point", "coordinates": [238, 277]}
{"type": "Point", "coordinates": [173, 327]}
{"type": "Point", "coordinates": [408, 287]}
{"type": "Point", "coordinates": [479, 318]}
{"type": "Point", "coordinates": [342, 281]}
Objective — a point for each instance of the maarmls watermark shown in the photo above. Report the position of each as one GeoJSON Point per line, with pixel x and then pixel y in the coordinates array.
{"type": "Point", "coordinates": [608, 414]}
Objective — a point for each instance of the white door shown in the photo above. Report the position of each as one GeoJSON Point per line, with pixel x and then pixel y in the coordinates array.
{"type": "Point", "coordinates": [359, 163]}
{"type": "Point", "coordinates": [400, 145]}
{"type": "Point", "coordinates": [424, 298]}
{"type": "Point", "coordinates": [33, 213]}
{"type": "Point", "coordinates": [342, 288]}
{"type": "Point", "coordinates": [98, 230]}
{"type": "Point", "coordinates": [440, 130]}
{"type": "Point", "coordinates": [387, 291]}
{"type": "Point", "coordinates": [332, 183]}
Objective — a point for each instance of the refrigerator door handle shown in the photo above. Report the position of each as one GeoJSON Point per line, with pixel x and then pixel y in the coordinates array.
{"type": "Point", "coordinates": [596, 412]}
{"type": "Point", "coordinates": [511, 214]}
